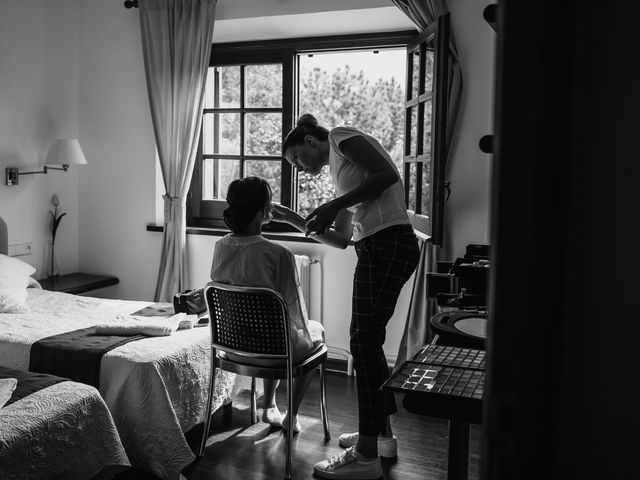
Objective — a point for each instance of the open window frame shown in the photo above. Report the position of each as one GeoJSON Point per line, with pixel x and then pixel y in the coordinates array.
{"type": "Point", "coordinates": [425, 148]}
{"type": "Point", "coordinates": [208, 213]}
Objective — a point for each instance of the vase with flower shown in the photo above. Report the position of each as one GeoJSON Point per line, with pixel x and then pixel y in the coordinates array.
{"type": "Point", "coordinates": [53, 272]}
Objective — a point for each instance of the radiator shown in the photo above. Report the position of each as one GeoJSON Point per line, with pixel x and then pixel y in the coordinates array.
{"type": "Point", "coordinates": [310, 274]}
{"type": "Point", "coordinates": [312, 297]}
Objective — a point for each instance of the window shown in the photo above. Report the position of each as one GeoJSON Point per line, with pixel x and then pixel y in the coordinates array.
{"type": "Point", "coordinates": [255, 90]}
{"type": "Point", "coordinates": [247, 109]}
{"type": "Point", "coordinates": [425, 128]}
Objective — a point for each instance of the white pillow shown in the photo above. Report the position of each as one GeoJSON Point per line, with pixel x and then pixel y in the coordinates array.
{"type": "Point", "coordinates": [7, 386]}
{"type": "Point", "coordinates": [33, 283]}
{"type": "Point", "coordinates": [14, 278]}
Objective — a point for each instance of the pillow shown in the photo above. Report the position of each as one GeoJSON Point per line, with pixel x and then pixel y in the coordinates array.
{"type": "Point", "coordinates": [33, 283]}
{"type": "Point", "coordinates": [14, 278]}
{"type": "Point", "coordinates": [7, 386]}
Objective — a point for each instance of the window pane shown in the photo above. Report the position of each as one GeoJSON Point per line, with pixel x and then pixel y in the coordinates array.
{"type": "Point", "coordinates": [429, 65]}
{"type": "Point", "coordinates": [426, 186]}
{"type": "Point", "coordinates": [359, 88]}
{"type": "Point", "coordinates": [313, 191]}
{"type": "Point", "coordinates": [216, 176]}
{"type": "Point", "coordinates": [221, 133]}
{"type": "Point", "coordinates": [412, 186]}
{"type": "Point", "coordinates": [263, 85]}
{"type": "Point", "coordinates": [426, 140]}
{"type": "Point", "coordinates": [222, 88]}
{"type": "Point", "coordinates": [263, 133]}
{"type": "Point", "coordinates": [414, 130]}
{"type": "Point", "coordinates": [415, 74]}
{"type": "Point", "coordinates": [270, 170]}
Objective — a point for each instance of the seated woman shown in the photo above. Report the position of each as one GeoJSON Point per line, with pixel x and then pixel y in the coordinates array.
{"type": "Point", "coordinates": [246, 258]}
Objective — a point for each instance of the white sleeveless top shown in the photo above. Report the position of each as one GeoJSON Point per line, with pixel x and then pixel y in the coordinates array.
{"type": "Point", "coordinates": [373, 215]}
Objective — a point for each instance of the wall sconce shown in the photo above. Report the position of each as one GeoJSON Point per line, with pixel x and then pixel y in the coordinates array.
{"type": "Point", "coordinates": [63, 152]}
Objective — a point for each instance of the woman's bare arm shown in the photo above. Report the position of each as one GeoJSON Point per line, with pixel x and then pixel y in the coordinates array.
{"type": "Point", "coordinates": [338, 237]}
{"type": "Point", "coordinates": [379, 176]}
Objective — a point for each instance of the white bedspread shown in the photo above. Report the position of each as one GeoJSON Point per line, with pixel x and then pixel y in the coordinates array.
{"type": "Point", "coordinates": [62, 431]}
{"type": "Point", "coordinates": [155, 388]}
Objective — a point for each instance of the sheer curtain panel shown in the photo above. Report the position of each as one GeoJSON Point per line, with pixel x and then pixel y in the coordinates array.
{"type": "Point", "coordinates": [176, 44]}
{"type": "Point", "coordinates": [417, 330]}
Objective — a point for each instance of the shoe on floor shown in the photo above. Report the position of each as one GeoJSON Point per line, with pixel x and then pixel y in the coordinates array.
{"type": "Point", "coordinates": [349, 465]}
{"type": "Point", "coordinates": [387, 446]}
{"type": "Point", "coordinates": [272, 416]}
{"type": "Point", "coordinates": [297, 428]}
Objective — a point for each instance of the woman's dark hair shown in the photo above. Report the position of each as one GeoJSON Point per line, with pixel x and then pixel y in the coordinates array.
{"type": "Point", "coordinates": [246, 197]}
{"type": "Point", "coordinates": [307, 124]}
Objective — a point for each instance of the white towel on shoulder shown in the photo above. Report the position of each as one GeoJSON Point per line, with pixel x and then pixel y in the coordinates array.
{"type": "Point", "coordinates": [127, 325]}
{"type": "Point", "coordinates": [7, 386]}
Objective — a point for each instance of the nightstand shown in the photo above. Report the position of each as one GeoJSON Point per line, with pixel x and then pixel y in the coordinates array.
{"type": "Point", "coordinates": [78, 282]}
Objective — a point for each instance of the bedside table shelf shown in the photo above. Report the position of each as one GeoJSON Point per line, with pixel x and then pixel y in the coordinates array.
{"type": "Point", "coordinates": [78, 282]}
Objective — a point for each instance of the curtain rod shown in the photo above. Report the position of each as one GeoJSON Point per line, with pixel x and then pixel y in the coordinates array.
{"type": "Point", "coordinates": [131, 4]}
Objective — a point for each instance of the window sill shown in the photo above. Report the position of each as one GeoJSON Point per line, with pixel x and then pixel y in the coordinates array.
{"type": "Point", "coordinates": [221, 232]}
{"type": "Point", "coordinates": [281, 236]}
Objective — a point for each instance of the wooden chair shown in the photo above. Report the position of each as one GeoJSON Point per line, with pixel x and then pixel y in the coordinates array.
{"type": "Point", "coordinates": [253, 322]}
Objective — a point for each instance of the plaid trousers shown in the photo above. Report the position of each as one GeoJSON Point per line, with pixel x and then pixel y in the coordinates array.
{"type": "Point", "coordinates": [386, 260]}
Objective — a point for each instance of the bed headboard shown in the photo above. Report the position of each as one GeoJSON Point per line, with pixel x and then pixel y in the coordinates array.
{"type": "Point", "coordinates": [4, 241]}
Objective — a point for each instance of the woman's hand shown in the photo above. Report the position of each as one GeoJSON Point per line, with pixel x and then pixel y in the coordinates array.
{"type": "Point", "coordinates": [321, 219]}
{"type": "Point", "coordinates": [285, 215]}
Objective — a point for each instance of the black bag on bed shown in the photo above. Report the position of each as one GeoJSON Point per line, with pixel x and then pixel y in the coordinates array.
{"type": "Point", "coordinates": [190, 302]}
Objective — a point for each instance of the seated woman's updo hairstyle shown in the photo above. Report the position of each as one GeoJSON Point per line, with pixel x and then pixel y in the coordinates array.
{"type": "Point", "coordinates": [307, 124]}
{"type": "Point", "coordinates": [246, 197]}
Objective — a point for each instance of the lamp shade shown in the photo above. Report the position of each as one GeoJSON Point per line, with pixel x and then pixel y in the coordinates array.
{"type": "Point", "coordinates": [65, 151]}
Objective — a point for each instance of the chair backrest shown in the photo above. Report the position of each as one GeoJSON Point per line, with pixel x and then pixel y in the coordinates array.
{"type": "Point", "coordinates": [248, 320]}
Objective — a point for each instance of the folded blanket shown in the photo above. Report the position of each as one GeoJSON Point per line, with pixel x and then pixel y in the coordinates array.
{"type": "Point", "coordinates": [128, 325]}
{"type": "Point", "coordinates": [25, 383]}
{"type": "Point", "coordinates": [7, 386]}
{"type": "Point", "coordinates": [75, 355]}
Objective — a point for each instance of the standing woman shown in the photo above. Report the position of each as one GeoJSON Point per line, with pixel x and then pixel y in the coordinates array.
{"type": "Point", "coordinates": [370, 208]}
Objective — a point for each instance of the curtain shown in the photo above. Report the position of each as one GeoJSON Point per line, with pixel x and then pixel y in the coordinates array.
{"type": "Point", "coordinates": [417, 331]}
{"type": "Point", "coordinates": [176, 44]}
{"type": "Point", "coordinates": [423, 13]}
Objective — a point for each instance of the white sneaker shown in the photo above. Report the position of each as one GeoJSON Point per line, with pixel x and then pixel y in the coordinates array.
{"type": "Point", "coordinates": [349, 465]}
{"type": "Point", "coordinates": [387, 446]}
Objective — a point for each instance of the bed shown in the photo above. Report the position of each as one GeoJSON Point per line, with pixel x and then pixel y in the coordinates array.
{"type": "Point", "coordinates": [155, 388]}
{"type": "Point", "coordinates": [63, 430]}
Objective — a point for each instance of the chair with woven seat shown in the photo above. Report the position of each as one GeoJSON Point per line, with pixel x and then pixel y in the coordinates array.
{"type": "Point", "coordinates": [253, 323]}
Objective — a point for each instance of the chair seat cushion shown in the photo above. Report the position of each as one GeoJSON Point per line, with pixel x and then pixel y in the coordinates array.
{"type": "Point", "coordinates": [265, 361]}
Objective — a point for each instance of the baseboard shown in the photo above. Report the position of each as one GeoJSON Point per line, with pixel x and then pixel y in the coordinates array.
{"type": "Point", "coordinates": [338, 365]}
{"type": "Point", "coordinates": [338, 362]}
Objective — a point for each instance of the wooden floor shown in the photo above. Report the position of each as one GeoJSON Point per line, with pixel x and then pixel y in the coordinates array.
{"type": "Point", "coordinates": [238, 450]}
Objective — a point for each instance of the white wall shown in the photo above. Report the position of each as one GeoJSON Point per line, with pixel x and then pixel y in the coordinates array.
{"type": "Point", "coordinates": [39, 102]}
{"type": "Point", "coordinates": [469, 170]}
{"type": "Point", "coordinates": [231, 9]}
{"type": "Point", "coordinates": [335, 22]}
{"type": "Point", "coordinates": [117, 191]}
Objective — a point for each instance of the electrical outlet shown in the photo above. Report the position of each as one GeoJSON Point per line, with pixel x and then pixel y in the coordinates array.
{"type": "Point", "coordinates": [18, 249]}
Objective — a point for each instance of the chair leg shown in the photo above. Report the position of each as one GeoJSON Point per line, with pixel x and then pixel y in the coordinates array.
{"type": "Point", "coordinates": [207, 420]}
{"type": "Point", "coordinates": [254, 405]}
{"type": "Point", "coordinates": [323, 403]}
{"type": "Point", "coordinates": [287, 472]}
